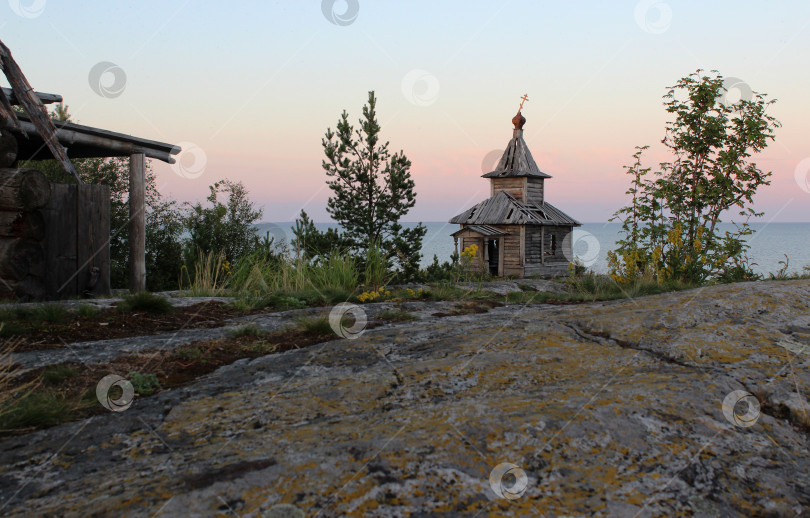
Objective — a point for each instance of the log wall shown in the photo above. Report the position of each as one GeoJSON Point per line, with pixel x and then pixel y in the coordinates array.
{"type": "Point", "coordinates": [534, 190]}
{"type": "Point", "coordinates": [23, 194]}
{"type": "Point", "coordinates": [514, 186]}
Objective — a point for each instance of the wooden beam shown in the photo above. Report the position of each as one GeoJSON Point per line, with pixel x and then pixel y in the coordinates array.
{"type": "Point", "coordinates": [34, 108]}
{"type": "Point", "coordinates": [137, 224]}
{"type": "Point", "coordinates": [100, 143]}
{"type": "Point", "coordinates": [45, 98]}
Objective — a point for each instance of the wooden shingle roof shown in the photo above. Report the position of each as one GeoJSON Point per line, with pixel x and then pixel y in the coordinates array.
{"type": "Point", "coordinates": [505, 209]}
{"type": "Point", "coordinates": [517, 161]}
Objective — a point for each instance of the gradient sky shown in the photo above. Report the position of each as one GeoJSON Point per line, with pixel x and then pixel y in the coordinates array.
{"type": "Point", "coordinates": [250, 87]}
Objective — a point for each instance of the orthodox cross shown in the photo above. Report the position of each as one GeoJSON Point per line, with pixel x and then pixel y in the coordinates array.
{"type": "Point", "coordinates": [525, 98]}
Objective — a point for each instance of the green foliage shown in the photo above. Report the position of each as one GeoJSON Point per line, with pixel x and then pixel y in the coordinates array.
{"type": "Point", "coordinates": [311, 243]}
{"type": "Point", "coordinates": [222, 227]}
{"type": "Point", "coordinates": [145, 301]}
{"type": "Point", "coordinates": [437, 272]}
{"type": "Point", "coordinates": [164, 245]}
{"type": "Point", "coordinates": [144, 384]}
{"type": "Point", "coordinates": [371, 191]}
{"type": "Point", "coordinates": [670, 228]}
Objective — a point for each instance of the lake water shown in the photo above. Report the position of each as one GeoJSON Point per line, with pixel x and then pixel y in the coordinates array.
{"type": "Point", "coordinates": [769, 244]}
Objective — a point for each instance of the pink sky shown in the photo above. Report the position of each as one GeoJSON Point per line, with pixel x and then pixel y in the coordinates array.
{"type": "Point", "coordinates": [255, 87]}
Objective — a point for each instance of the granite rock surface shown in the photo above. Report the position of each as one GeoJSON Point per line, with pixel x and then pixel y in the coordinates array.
{"type": "Point", "coordinates": [599, 409]}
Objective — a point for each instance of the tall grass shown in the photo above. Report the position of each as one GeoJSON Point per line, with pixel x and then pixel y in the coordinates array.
{"type": "Point", "coordinates": [335, 271]}
{"type": "Point", "coordinates": [376, 267]}
{"type": "Point", "coordinates": [10, 396]}
{"type": "Point", "coordinates": [210, 275]}
{"type": "Point", "coordinates": [259, 279]}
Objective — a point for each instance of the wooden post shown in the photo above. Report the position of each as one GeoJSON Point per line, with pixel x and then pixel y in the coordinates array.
{"type": "Point", "coordinates": [543, 246]}
{"type": "Point", "coordinates": [137, 224]}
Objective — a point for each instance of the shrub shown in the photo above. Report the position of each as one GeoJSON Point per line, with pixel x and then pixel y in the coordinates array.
{"type": "Point", "coordinates": [222, 227]}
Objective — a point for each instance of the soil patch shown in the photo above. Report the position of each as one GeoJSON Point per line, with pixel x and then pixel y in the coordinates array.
{"type": "Point", "coordinates": [34, 334]}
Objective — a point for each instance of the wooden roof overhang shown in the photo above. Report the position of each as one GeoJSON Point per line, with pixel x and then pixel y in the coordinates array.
{"type": "Point", "coordinates": [505, 209]}
{"type": "Point", "coordinates": [87, 142]}
{"type": "Point", "coordinates": [484, 230]}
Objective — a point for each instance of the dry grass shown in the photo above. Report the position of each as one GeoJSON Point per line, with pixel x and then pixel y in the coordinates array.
{"type": "Point", "coordinates": [10, 396]}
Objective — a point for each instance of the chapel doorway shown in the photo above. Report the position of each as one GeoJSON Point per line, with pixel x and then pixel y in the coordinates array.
{"type": "Point", "coordinates": [493, 253]}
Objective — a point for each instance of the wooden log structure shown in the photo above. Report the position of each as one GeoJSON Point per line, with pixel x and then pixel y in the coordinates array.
{"type": "Point", "coordinates": [27, 288]}
{"type": "Point", "coordinates": [8, 149]}
{"type": "Point", "coordinates": [23, 224]}
{"type": "Point", "coordinates": [33, 135]}
{"type": "Point", "coordinates": [137, 224]}
{"type": "Point", "coordinates": [19, 258]}
{"type": "Point", "coordinates": [23, 192]}
{"type": "Point", "coordinates": [23, 189]}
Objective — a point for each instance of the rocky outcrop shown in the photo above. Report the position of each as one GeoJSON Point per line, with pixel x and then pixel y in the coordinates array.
{"type": "Point", "coordinates": [607, 409]}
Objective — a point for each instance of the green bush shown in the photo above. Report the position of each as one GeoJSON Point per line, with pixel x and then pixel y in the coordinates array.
{"type": "Point", "coordinates": [222, 227]}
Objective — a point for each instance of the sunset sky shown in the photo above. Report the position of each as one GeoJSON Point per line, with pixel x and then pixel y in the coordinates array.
{"type": "Point", "coordinates": [250, 87]}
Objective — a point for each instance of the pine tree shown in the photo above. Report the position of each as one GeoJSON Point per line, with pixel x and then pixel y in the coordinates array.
{"type": "Point", "coordinates": [371, 190]}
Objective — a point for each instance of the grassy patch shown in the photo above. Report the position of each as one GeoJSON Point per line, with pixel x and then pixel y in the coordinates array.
{"type": "Point", "coordinates": [145, 301]}
{"type": "Point", "coordinates": [247, 330]}
{"type": "Point", "coordinates": [53, 313]}
{"type": "Point", "coordinates": [44, 408]}
{"type": "Point", "coordinates": [14, 327]}
{"type": "Point", "coordinates": [56, 374]}
{"type": "Point", "coordinates": [87, 311]}
{"type": "Point", "coordinates": [315, 325]}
